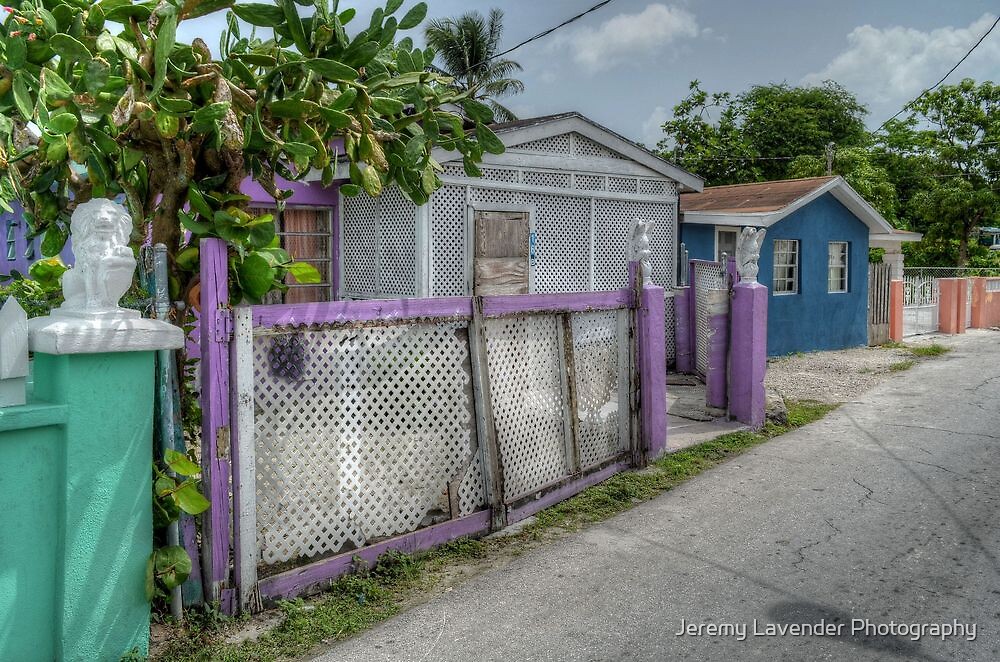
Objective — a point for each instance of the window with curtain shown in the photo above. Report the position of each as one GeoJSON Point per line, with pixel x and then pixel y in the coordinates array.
{"type": "Point", "coordinates": [786, 266]}
{"type": "Point", "coordinates": [837, 267]}
{"type": "Point", "coordinates": [307, 234]}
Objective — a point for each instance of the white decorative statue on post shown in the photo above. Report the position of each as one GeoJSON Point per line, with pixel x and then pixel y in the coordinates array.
{"type": "Point", "coordinates": [13, 353]}
{"type": "Point", "coordinates": [748, 253]}
{"type": "Point", "coordinates": [90, 319]}
{"type": "Point", "coordinates": [639, 248]}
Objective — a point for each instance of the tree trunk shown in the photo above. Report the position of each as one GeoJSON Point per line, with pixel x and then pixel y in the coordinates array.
{"type": "Point", "coordinates": [963, 247]}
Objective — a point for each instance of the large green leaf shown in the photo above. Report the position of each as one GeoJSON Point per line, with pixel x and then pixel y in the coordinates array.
{"type": "Point", "coordinates": [165, 39]}
{"type": "Point", "coordinates": [305, 273]}
{"type": "Point", "coordinates": [62, 123]}
{"type": "Point", "coordinates": [69, 48]}
{"type": "Point", "coordinates": [16, 53]}
{"type": "Point", "coordinates": [414, 17]}
{"type": "Point", "coordinates": [172, 565]}
{"type": "Point", "coordinates": [335, 118]}
{"type": "Point", "coordinates": [54, 240]}
{"type": "Point", "coordinates": [22, 97]}
{"type": "Point", "coordinates": [255, 275]}
{"type": "Point", "coordinates": [261, 15]}
{"type": "Point", "coordinates": [190, 499]}
{"type": "Point", "coordinates": [332, 70]}
{"type": "Point", "coordinates": [295, 27]}
{"type": "Point", "coordinates": [488, 139]}
{"type": "Point", "coordinates": [177, 461]}
{"type": "Point", "coordinates": [48, 271]}
{"type": "Point", "coordinates": [477, 111]}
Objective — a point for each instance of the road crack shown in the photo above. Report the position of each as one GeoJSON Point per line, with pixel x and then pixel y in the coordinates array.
{"type": "Point", "coordinates": [801, 550]}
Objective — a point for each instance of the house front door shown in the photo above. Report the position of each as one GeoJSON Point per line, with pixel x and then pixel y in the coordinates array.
{"type": "Point", "coordinates": [501, 256]}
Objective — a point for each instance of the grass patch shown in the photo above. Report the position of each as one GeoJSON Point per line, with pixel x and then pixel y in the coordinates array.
{"type": "Point", "coordinates": [934, 349]}
{"type": "Point", "coordinates": [900, 366]}
{"type": "Point", "coordinates": [356, 602]}
{"type": "Point", "coordinates": [892, 344]}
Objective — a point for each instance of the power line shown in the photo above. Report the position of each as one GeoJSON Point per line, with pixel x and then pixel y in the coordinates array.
{"type": "Point", "coordinates": [950, 71]}
{"type": "Point", "coordinates": [536, 37]}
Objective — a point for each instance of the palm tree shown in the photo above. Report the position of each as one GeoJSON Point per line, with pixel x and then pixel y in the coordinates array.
{"type": "Point", "coordinates": [467, 47]}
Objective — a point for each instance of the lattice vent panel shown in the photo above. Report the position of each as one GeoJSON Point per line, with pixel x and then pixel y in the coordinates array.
{"type": "Point", "coordinates": [497, 197]}
{"type": "Point", "coordinates": [448, 210]}
{"type": "Point", "coordinates": [526, 390]}
{"type": "Point", "coordinates": [454, 170]}
{"type": "Point", "coordinates": [500, 174]}
{"type": "Point", "coordinates": [670, 321]}
{"type": "Point", "coordinates": [598, 379]}
{"type": "Point", "coordinates": [589, 182]}
{"type": "Point", "coordinates": [622, 184]}
{"type": "Point", "coordinates": [613, 221]}
{"type": "Point", "coordinates": [562, 226]}
{"type": "Point", "coordinates": [546, 178]}
{"type": "Point", "coordinates": [359, 434]}
{"type": "Point", "coordinates": [707, 276]}
{"type": "Point", "coordinates": [398, 271]}
{"type": "Point", "coordinates": [360, 231]}
{"type": "Point", "coordinates": [657, 187]}
{"type": "Point", "coordinates": [587, 147]}
{"type": "Point", "coordinates": [662, 240]}
{"type": "Point", "coordinates": [551, 145]}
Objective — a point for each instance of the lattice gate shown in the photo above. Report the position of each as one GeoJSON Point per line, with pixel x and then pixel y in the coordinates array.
{"type": "Point", "coordinates": [705, 276]}
{"type": "Point", "coordinates": [920, 304]}
{"type": "Point", "coordinates": [355, 425]}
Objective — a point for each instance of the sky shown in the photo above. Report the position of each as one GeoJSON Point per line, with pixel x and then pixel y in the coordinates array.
{"type": "Point", "coordinates": [627, 64]}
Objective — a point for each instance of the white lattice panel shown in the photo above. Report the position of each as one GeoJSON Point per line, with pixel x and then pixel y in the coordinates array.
{"type": "Point", "coordinates": [589, 182]}
{"type": "Point", "coordinates": [707, 276]}
{"type": "Point", "coordinates": [670, 320]}
{"type": "Point", "coordinates": [562, 226]}
{"type": "Point", "coordinates": [551, 145]}
{"type": "Point", "coordinates": [448, 225]}
{"type": "Point", "coordinates": [397, 229]}
{"type": "Point", "coordinates": [587, 147]}
{"type": "Point", "coordinates": [662, 240]}
{"type": "Point", "coordinates": [500, 174]}
{"type": "Point", "coordinates": [526, 392]}
{"type": "Point", "coordinates": [546, 178]}
{"type": "Point", "coordinates": [613, 221]}
{"type": "Point", "coordinates": [622, 184]}
{"type": "Point", "coordinates": [358, 434]}
{"type": "Point", "coordinates": [493, 196]}
{"type": "Point", "coordinates": [595, 355]}
{"type": "Point", "coordinates": [454, 170]}
{"type": "Point", "coordinates": [657, 187]}
{"type": "Point", "coordinates": [360, 231]}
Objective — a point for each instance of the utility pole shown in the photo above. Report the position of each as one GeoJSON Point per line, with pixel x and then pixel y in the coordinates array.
{"type": "Point", "coordinates": [830, 147]}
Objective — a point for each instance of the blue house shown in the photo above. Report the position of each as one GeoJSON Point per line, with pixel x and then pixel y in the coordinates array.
{"type": "Point", "coordinates": [814, 259]}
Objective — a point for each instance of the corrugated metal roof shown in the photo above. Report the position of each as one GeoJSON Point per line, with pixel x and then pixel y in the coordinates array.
{"type": "Point", "coordinates": [750, 198]}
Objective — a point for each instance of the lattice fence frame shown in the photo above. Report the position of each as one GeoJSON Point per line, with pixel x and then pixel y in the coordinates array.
{"type": "Point", "coordinates": [705, 276]}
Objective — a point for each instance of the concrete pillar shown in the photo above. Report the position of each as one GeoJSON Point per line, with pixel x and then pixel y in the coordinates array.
{"type": "Point", "coordinates": [951, 305]}
{"type": "Point", "coordinates": [896, 310]}
{"type": "Point", "coordinates": [684, 359]}
{"type": "Point", "coordinates": [718, 350]}
{"type": "Point", "coordinates": [652, 357]}
{"type": "Point", "coordinates": [748, 354]}
{"type": "Point", "coordinates": [979, 303]}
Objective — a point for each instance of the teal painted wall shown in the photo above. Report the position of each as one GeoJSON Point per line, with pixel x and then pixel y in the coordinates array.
{"type": "Point", "coordinates": [95, 535]}
{"type": "Point", "coordinates": [813, 319]}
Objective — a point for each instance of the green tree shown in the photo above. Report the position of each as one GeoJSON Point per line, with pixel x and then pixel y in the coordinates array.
{"type": "Point", "coordinates": [858, 166]}
{"type": "Point", "coordinates": [467, 47]}
{"type": "Point", "coordinates": [99, 99]}
{"type": "Point", "coordinates": [761, 131]}
{"type": "Point", "coordinates": [950, 144]}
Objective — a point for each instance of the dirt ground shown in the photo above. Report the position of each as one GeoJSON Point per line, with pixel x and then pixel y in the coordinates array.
{"type": "Point", "coordinates": [843, 375]}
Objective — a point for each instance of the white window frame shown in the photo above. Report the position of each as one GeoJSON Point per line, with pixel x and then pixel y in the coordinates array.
{"type": "Point", "coordinates": [332, 264]}
{"type": "Point", "coordinates": [725, 228]}
{"type": "Point", "coordinates": [830, 266]}
{"type": "Point", "coordinates": [795, 265]}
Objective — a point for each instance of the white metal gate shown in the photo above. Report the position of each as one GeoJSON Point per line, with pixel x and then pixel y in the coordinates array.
{"type": "Point", "coordinates": [920, 304]}
{"type": "Point", "coordinates": [705, 276]}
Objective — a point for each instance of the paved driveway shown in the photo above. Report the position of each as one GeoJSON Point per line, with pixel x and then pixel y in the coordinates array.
{"type": "Point", "coordinates": [886, 510]}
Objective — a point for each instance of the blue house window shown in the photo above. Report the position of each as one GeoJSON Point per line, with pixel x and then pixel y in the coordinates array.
{"type": "Point", "coordinates": [837, 267]}
{"type": "Point", "coordinates": [786, 266]}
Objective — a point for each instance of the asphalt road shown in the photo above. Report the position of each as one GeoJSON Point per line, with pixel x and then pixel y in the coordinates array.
{"type": "Point", "coordinates": [886, 510]}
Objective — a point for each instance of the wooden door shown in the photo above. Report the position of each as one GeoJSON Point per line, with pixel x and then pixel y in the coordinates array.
{"type": "Point", "coordinates": [878, 304]}
{"type": "Point", "coordinates": [500, 259]}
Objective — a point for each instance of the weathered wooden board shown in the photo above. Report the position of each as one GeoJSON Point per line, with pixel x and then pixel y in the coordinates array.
{"type": "Point", "coordinates": [501, 255]}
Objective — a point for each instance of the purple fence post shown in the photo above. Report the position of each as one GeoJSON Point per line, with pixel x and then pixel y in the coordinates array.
{"type": "Point", "coordinates": [683, 359]}
{"type": "Point", "coordinates": [718, 349]}
{"type": "Point", "coordinates": [731, 270]}
{"type": "Point", "coordinates": [215, 330]}
{"type": "Point", "coordinates": [651, 354]}
{"type": "Point", "coordinates": [748, 358]}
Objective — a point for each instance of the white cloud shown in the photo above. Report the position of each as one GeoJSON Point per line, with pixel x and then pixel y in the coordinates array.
{"type": "Point", "coordinates": [652, 131]}
{"type": "Point", "coordinates": [892, 65]}
{"type": "Point", "coordinates": [629, 35]}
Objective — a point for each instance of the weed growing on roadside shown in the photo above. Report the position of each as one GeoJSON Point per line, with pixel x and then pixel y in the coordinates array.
{"type": "Point", "coordinates": [934, 349]}
{"type": "Point", "coordinates": [900, 366]}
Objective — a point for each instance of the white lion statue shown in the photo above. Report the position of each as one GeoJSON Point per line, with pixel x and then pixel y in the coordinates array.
{"type": "Point", "coordinates": [748, 248]}
{"type": "Point", "coordinates": [105, 264]}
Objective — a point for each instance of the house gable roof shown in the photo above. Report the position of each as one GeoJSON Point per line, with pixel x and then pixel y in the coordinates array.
{"type": "Point", "coordinates": [602, 146]}
{"type": "Point", "coordinates": [763, 204]}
